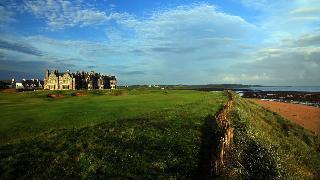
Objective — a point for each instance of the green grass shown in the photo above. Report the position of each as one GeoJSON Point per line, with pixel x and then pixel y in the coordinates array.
{"type": "Point", "coordinates": [146, 134]}
{"type": "Point", "coordinates": [127, 134]}
{"type": "Point", "coordinates": [26, 114]}
{"type": "Point", "coordinates": [266, 146]}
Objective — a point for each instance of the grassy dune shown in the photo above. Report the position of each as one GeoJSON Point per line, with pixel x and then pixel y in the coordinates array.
{"type": "Point", "coordinates": [128, 134]}
{"type": "Point", "coordinates": [266, 146]}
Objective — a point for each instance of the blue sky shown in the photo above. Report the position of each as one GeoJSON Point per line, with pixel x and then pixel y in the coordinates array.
{"type": "Point", "coordinates": [164, 42]}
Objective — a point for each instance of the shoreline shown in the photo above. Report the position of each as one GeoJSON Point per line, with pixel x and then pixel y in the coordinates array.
{"type": "Point", "coordinates": [303, 98]}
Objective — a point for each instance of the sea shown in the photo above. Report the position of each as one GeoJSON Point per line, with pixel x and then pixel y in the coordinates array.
{"type": "Point", "coordinates": [286, 88]}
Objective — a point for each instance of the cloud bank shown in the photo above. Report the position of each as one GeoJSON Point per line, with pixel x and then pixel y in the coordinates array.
{"type": "Point", "coordinates": [196, 43]}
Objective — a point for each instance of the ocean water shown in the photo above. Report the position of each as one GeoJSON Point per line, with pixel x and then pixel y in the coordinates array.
{"type": "Point", "coordinates": [288, 88]}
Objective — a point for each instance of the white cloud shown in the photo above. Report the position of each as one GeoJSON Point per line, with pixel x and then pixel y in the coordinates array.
{"type": "Point", "coordinates": [59, 14]}
{"type": "Point", "coordinates": [271, 51]}
{"type": "Point", "coordinates": [295, 62]}
{"type": "Point", "coordinates": [310, 39]}
{"type": "Point", "coordinates": [201, 21]}
{"type": "Point", "coordinates": [248, 78]}
{"type": "Point", "coordinates": [186, 29]}
{"type": "Point", "coordinates": [256, 4]}
{"type": "Point", "coordinates": [184, 41]}
{"type": "Point", "coordinates": [6, 15]}
{"type": "Point", "coordinates": [306, 10]}
{"type": "Point", "coordinates": [290, 19]}
{"type": "Point", "coordinates": [194, 44]}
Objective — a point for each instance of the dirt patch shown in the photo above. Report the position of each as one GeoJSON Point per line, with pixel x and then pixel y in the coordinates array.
{"type": "Point", "coordinates": [55, 96]}
{"type": "Point", "coordinates": [79, 94]}
{"type": "Point", "coordinates": [306, 116]}
{"type": "Point", "coordinates": [11, 90]}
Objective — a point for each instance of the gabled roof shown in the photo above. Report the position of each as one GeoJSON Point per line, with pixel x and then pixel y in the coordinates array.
{"type": "Point", "coordinates": [31, 82]}
{"type": "Point", "coordinates": [6, 81]}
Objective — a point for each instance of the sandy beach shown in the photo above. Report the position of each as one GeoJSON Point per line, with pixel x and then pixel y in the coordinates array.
{"type": "Point", "coordinates": [306, 116]}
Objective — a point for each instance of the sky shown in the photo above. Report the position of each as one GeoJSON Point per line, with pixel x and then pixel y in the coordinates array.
{"type": "Point", "coordinates": [164, 42]}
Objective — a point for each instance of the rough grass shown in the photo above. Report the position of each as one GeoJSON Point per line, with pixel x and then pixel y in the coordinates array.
{"type": "Point", "coordinates": [266, 146]}
{"type": "Point", "coordinates": [137, 134]}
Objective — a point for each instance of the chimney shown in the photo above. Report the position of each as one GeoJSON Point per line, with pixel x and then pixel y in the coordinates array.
{"type": "Point", "coordinates": [46, 74]}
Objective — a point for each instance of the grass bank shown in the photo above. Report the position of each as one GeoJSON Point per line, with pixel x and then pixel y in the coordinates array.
{"type": "Point", "coordinates": [267, 146]}
{"type": "Point", "coordinates": [127, 134]}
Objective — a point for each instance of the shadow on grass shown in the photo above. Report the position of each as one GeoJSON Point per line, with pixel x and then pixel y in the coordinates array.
{"type": "Point", "coordinates": [209, 146]}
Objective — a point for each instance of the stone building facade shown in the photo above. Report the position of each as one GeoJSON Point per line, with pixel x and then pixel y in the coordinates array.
{"type": "Point", "coordinates": [80, 80]}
